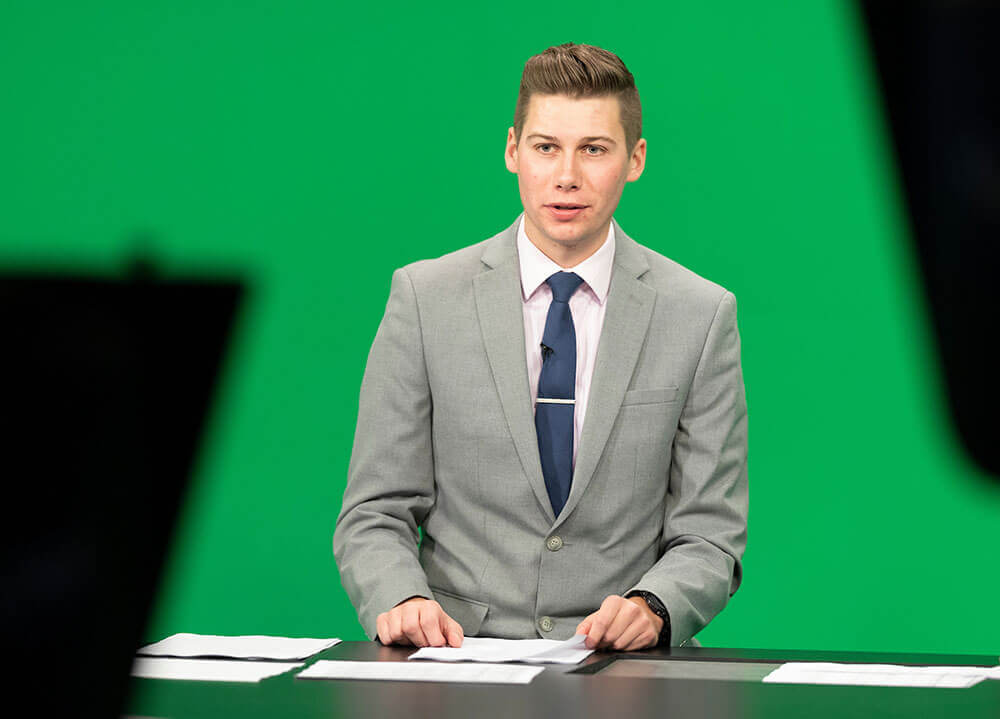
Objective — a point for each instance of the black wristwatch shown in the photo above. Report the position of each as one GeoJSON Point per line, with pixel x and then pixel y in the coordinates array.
{"type": "Point", "coordinates": [656, 606]}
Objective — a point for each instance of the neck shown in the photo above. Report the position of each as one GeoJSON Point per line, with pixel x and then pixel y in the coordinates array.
{"type": "Point", "coordinates": [566, 255]}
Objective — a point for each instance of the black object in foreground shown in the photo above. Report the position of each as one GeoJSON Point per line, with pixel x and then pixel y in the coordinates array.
{"type": "Point", "coordinates": [105, 387]}
{"type": "Point", "coordinates": [936, 61]}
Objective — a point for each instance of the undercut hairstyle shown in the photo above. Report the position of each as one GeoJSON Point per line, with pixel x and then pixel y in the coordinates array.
{"type": "Point", "coordinates": [581, 71]}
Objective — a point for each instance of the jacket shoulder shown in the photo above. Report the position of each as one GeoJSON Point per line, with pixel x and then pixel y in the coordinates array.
{"type": "Point", "coordinates": [458, 266]}
{"type": "Point", "coordinates": [669, 277]}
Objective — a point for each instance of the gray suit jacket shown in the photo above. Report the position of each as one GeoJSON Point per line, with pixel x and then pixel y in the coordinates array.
{"type": "Point", "coordinates": [446, 444]}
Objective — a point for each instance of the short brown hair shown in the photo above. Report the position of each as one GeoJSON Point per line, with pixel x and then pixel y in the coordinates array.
{"type": "Point", "coordinates": [581, 71]}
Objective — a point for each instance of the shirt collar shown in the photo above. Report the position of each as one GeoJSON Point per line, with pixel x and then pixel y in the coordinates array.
{"type": "Point", "coordinates": [536, 266]}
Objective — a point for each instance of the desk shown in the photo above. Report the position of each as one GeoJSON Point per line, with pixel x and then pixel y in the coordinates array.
{"type": "Point", "coordinates": [575, 691]}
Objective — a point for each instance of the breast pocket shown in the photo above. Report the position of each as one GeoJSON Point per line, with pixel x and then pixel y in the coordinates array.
{"type": "Point", "coordinates": [650, 396]}
{"type": "Point", "coordinates": [646, 423]}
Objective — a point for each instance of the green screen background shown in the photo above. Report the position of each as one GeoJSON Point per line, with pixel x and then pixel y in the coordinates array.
{"type": "Point", "coordinates": [313, 147]}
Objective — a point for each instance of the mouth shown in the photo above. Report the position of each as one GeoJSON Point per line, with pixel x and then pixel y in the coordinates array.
{"type": "Point", "coordinates": [564, 211]}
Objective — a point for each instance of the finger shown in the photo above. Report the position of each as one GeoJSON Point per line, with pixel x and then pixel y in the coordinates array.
{"type": "Point", "coordinates": [411, 625]}
{"type": "Point", "coordinates": [454, 632]}
{"type": "Point", "coordinates": [645, 639]}
{"type": "Point", "coordinates": [628, 614]}
{"type": "Point", "coordinates": [600, 622]}
{"type": "Point", "coordinates": [584, 626]}
{"type": "Point", "coordinates": [394, 622]}
{"type": "Point", "coordinates": [628, 636]}
{"type": "Point", "coordinates": [382, 629]}
{"type": "Point", "coordinates": [650, 640]}
{"type": "Point", "coordinates": [431, 620]}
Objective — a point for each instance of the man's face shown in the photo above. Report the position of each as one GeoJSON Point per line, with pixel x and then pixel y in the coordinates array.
{"type": "Point", "coordinates": [572, 154]}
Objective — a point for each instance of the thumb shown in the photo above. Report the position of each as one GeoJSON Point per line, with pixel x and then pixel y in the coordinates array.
{"type": "Point", "coordinates": [584, 626]}
{"type": "Point", "coordinates": [454, 633]}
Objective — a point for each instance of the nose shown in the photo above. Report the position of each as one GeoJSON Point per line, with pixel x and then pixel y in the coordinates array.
{"type": "Point", "coordinates": [568, 173]}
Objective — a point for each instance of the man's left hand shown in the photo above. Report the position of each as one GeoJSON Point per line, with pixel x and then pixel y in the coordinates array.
{"type": "Point", "coordinates": [622, 624]}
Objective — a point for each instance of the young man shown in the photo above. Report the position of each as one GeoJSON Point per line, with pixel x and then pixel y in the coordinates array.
{"type": "Point", "coordinates": [559, 409]}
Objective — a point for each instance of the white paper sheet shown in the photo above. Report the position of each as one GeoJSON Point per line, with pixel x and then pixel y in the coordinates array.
{"type": "Point", "coordinates": [882, 675]}
{"type": "Point", "coordinates": [532, 651]}
{"type": "Point", "coordinates": [422, 672]}
{"type": "Point", "coordinates": [243, 647]}
{"type": "Point", "coordinates": [213, 670]}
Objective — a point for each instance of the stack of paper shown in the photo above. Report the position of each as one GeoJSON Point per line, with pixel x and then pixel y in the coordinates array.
{"type": "Point", "coordinates": [243, 647]}
{"type": "Point", "coordinates": [173, 657]}
{"type": "Point", "coordinates": [213, 670]}
{"type": "Point", "coordinates": [882, 675]}
{"type": "Point", "coordinates": [423, 672]}
{"type": "Point", "coordinates": [532, 651]}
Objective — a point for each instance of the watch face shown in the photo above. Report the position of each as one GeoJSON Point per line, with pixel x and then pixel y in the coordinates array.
{"type": "Point", "coordinates": [655, 604]}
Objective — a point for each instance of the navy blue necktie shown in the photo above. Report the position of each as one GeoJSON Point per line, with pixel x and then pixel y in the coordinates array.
{"type": "Point", "coordinates": [557, 391]}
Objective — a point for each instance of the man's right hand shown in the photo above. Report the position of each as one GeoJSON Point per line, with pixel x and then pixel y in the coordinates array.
{"type": "Point", "coordinates": [420, 622]}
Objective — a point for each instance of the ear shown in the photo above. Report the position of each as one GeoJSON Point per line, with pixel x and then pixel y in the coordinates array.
{"type": "Point", "coordinates": [637, 163]}
{"type": "Point", "coordinates": [510, 154]}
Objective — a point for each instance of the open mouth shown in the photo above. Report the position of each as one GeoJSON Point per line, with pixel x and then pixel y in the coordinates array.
{"type": "Point", "coordinates": [568, 207]}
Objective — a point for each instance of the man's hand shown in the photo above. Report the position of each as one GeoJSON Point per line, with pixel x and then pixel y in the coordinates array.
{"type": "Point", "coordinates": [622, 624]}
{"type": "Point", "coordinates": [420, 622]}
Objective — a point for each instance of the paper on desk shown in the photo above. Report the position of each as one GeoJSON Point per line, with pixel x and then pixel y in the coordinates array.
{"type": "Point", "coordinates": [214, 670]}
{"type": "Point", "coordinates": [422, 672]}
{"type": "Point", "coordinates": [882, 675]}
{"type": "Point", "coordinates": [532, 651]}
{"type": "Point", "coordinates": [244, 647]}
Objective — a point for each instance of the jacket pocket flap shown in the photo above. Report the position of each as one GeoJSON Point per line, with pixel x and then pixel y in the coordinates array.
{"type": "Point", "coordinates": [650, 396]}
{"type": "Point", "coordinates": [467, 612]}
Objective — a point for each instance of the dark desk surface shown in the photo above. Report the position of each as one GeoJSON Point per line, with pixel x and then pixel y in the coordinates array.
{"type": "Point", "coordinates": [574, 691]}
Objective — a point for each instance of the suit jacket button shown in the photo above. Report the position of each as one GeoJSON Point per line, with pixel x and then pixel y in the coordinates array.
{"type": "Point", "coordinates": [554, 543]}
{"type": "Point", "coordinates": [545, 624]}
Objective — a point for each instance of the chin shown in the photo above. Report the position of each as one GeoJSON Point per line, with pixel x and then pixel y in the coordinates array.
{"type": "Point", "coordinates": [569, 231]}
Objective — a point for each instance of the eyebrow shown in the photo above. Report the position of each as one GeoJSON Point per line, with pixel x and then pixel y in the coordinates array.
{"type": "Point", "coordinates": [592, 138]}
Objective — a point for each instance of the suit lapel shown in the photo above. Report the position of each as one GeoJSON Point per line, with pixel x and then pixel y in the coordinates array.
{"type": "Point", "coordinates": [501, 321]}
{"type": "Point", "coordinates": [626, 320]}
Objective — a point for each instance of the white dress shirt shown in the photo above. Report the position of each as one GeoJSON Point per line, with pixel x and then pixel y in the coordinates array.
{"type": "Point", "coordinates": [587, 306]}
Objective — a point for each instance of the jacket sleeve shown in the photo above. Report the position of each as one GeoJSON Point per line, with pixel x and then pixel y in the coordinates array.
{"type": "Point", "coordinates": [705, 522]}
{"type": "Point", "coordinates": [390, 480]}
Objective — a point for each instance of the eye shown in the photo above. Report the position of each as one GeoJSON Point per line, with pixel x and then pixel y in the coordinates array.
{"type": "Point", "coordinates": [542, 147]}
{"type": "Point", "coordinates": [600, 150]}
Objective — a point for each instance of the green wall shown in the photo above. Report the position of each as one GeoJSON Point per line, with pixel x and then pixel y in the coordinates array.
{"type": "Point", "coordinates": [313, 147]}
